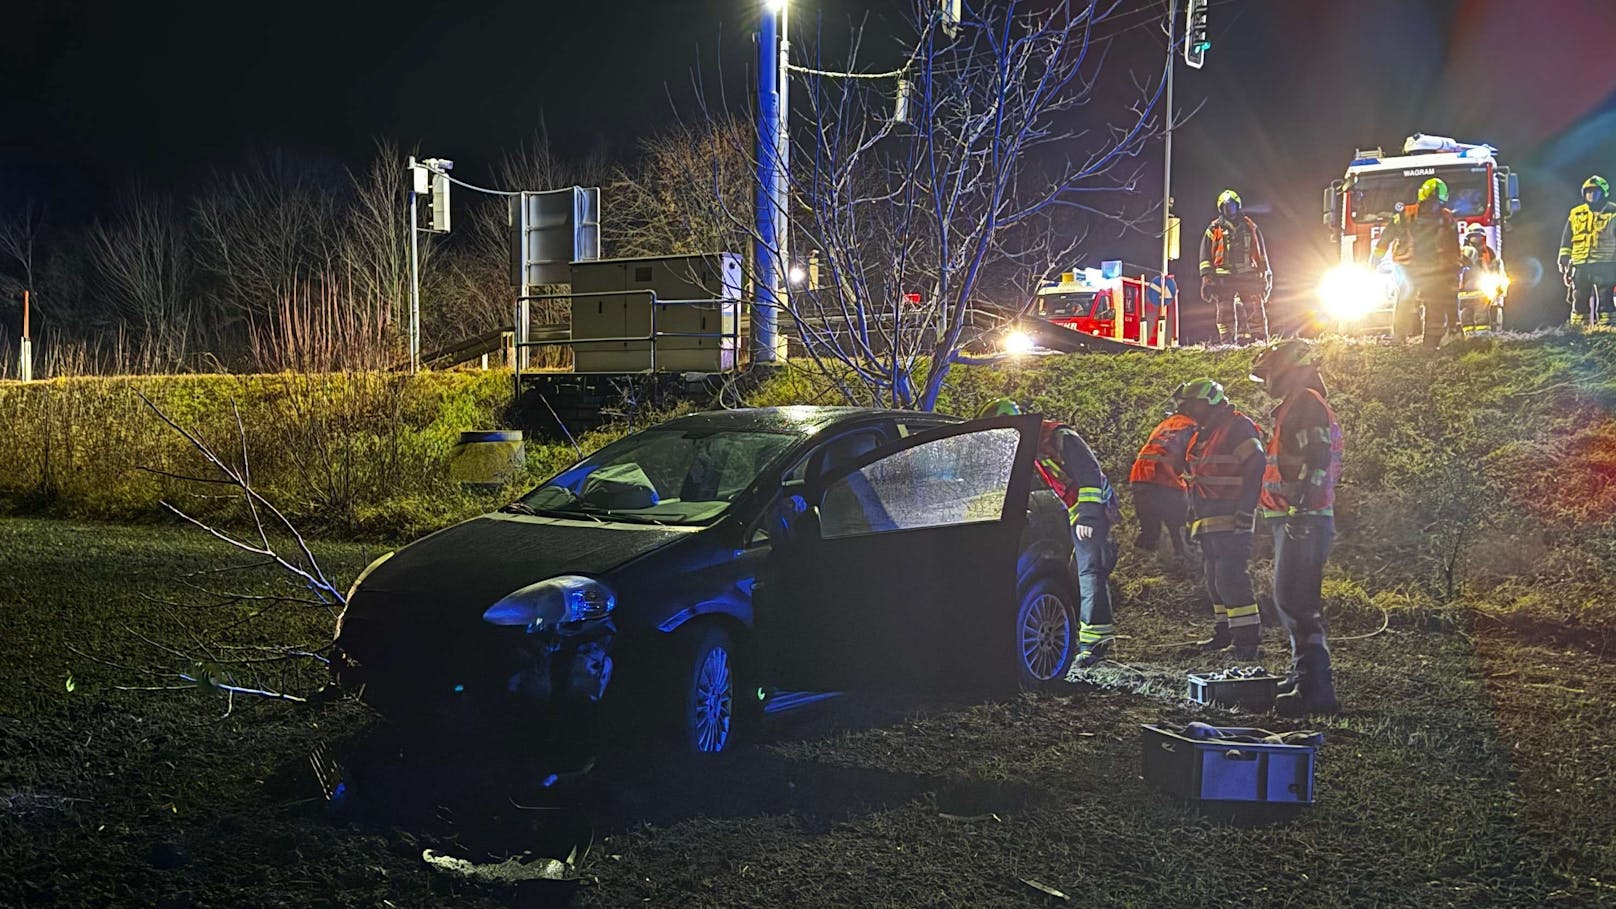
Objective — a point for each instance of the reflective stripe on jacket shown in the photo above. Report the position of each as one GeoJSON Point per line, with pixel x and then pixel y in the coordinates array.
{"type": "Point", "coordinates": [1228, 249]}
{"type": "Point", "coordinates": [1069, 467]}
{"type": "Point", "coordinates": [1225, 461]}
{"type": "Point", "coordinates": [1589, 237]}
{"type": "Point", "coordinates": [1303, 422]}
{"type": "Point", "coordinates": [1161, 460]}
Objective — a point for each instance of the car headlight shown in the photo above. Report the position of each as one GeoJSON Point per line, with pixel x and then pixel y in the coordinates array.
{"type": "Point", "coordinates": [1350, 291]}
{"type": "Point", "coordinates": [565, 600]}
{"type": "Point", "coordinates": [1018, 342]}
{"type": "Point", "coordinates": [1493, 284]}
{"type": "Point", "coordinates": [354, 587]}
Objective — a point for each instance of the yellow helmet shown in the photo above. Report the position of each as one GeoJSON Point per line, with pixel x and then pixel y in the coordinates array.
{"type": "Point", "coordinates": [1434, 187]}
{"type": "Point", "coordinates": [1000, 407]}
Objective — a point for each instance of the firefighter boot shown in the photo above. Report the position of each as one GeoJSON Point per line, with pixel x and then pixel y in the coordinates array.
{"type": "Point", "coordinates": [1314, 691]}
{"type": "Point", "coordinates": [1220, 639]}
{"type": "Point", "coordinates": [1087, 655]}
{"type": "Point", "coordinates": [1247, 643]}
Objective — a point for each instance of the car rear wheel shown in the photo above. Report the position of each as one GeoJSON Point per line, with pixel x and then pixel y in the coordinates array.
{"type": "Point", "coordinates": [707, 724]}
{"type": "Point", "coordinates": [1046, 632]}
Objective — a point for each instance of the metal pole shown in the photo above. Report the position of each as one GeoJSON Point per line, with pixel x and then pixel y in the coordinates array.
{"type": "Point", "coordinates": [25, 364]}
{"type": "Point", "coordinates": [765, 249]}
{"type": "Point", "coordinates": [1167, 172]}
{"type": "Point", "coordinates": [415, 278]}
{"type": "Point", "coordinates": [782, 173]}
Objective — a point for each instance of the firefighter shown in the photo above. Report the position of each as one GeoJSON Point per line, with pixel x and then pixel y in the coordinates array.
{"type": "Point", "coordinates": [1234, 262]}
{"type": "Point", "coordinates": [1427, 237]}
{"type": "Point", "coordinates": [1298, 504]}
{"type": "Point", "coordinates": [1226, 467]}
{"type": "Point", "coordinates": [1068, 465]}
{"type": "Point", "coordinates": [1157, 482]}
{"type": "Point", "coordinates": [1479, 256]}
{"type": "Point", "coordinates": [1588, 254]}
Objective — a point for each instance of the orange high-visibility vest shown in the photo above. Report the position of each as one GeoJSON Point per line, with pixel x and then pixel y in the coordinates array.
{"type": "Point", "coordinates": [1162, 457]}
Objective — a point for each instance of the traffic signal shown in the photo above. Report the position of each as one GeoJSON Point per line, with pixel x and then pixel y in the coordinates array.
{"type": "Point", "coordinates": [431, 186]}
{"type": "Point", "coordinates": [1196, 42]}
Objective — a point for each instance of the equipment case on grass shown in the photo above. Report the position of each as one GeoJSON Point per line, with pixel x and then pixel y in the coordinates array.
{"type": "Point", "coordinates": [1220, 770]}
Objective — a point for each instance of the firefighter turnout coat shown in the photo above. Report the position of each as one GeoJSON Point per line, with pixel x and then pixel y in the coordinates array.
{"type": "Point", "coordinates": [1304, 458]}
{"type": "Point", "coordinates": [1161, 462]}
{"type": "Point", "coordinates": [1589, 237]}
{"type": "Point", "coordinates": [1226, 466]}
{"type": "Point", "coordinates": [1233, 248]}
{"type": "Point", "coordinates": [1070, 468]}
{"type": "Point", "coordinates": [1426, 243]}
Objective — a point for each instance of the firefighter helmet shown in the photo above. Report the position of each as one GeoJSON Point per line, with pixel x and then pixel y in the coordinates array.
{"type": "Point", "coordinates": [1476, 230]}
{"type": "Point", "coordinates": [1000, 407]}
{"type": "Point", "coordinates": [1434, 187]}
{"type": "Point", "coordinates": [1229, 203]}
{"type": "Point", "coordinates": [1202, 389]}
{"type": "Point", "coordinates": [1596, 182]}
{"type": "Point", "coordinates": [1283, 357]}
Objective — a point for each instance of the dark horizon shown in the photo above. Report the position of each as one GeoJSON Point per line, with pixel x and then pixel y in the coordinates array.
{"type": "Point", "coordinates": [107, 96]}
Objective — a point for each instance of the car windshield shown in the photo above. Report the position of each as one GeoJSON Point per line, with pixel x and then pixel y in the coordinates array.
{"type": "Point", "coordinates": [1064, 305]}
{"type": "Point", "coordinates": [662, 476]}
{"type": "Point", "coordinates": [1376, 196]}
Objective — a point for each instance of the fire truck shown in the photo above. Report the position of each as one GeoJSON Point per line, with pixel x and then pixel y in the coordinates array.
{"type": "Point", "coordinates": [1482, 193]}
{"type": "Point", "coordinates": [1107, 306]}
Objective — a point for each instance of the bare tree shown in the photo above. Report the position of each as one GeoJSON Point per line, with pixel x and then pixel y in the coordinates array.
{"type": "Point", "coordinates": [142, 269]}
{"type": "Point", "coordinates": [19, 235]}
{"type": "Point", "coordinates": [1005, 155]}
{"type": "Point", "coordinates": [662, 204]}
{"type": "Point", "coordinates": [376, 242]}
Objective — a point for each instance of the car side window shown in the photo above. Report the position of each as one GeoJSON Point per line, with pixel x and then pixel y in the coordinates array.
{"type": "Point", "coordinates": [782, 514]}
{"type": "Point", "coordinates": [960, 479]}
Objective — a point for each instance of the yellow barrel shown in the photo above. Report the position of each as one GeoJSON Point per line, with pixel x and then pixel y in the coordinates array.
{"type": "Point", "coordinates": [487, 460]}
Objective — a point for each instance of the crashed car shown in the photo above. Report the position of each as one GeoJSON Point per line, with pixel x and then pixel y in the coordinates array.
{"type": "Point", "coordinates": [678, 578]}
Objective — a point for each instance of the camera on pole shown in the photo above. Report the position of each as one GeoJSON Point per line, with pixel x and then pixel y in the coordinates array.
{"type": "Point", "coordinates": [1196, 42]}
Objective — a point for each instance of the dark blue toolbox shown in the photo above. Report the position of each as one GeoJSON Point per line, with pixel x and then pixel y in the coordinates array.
{"type": "Point", "coordinates": [1230, 763]}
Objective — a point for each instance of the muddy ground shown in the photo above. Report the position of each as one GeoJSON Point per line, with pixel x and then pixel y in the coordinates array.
{"type": "Point", "coordinates": [1473, 767]}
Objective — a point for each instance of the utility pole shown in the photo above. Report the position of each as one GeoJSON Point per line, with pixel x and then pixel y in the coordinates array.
{"type": "Point", "coordinates": [768, 268]}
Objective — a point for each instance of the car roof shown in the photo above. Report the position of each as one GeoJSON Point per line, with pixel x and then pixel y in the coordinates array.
{"type": "Point", "coordinates": [802, 418]}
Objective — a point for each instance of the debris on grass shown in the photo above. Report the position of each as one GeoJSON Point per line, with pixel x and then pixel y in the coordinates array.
{"type": "Point", "coordinates": [511, 871]}
{"type": "Point", "coordinates": [1045, 889]}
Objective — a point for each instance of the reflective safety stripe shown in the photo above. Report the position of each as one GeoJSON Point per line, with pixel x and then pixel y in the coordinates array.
{"type": "Point", "coordinates": [1218, 523]}
{"type": "Point", "coordinates": [1096, 634]}
{"type": "Point", "coordinates": [1072, 513]}
{"type": "Point", "coordinates": [1217, 611]}
{"type": "Point", "coordinates": [1220, 481]}
{"type": "Point", "coordinates": [1241, 616]}
{"type": "Point", "coordinates": [1316, 477]}
{"type": "Point", "coordinates": [1090, 494]}
{"type": "Point", "coordinates": [1246, 449]}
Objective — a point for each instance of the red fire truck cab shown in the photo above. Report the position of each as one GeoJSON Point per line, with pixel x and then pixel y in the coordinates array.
{"type": "Point", "coordinates": [1129, 310]}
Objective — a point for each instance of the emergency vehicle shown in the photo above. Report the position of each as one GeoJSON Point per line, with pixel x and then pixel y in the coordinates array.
{"type": "Point", "coordinates": [1482, 193]}
{"type": "Point", "coordinates": [1104, 304]}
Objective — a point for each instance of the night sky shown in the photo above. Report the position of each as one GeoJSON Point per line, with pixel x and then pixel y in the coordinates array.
{"type": "Point", "coordinates": [99, 95]}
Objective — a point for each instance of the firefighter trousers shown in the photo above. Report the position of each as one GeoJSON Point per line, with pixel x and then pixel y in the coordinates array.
{"type": "Point", "coordinates": [1590, 291]}
{"type": "Point", "coordinates": [1438, 292]}
{"type": "Point", "coordinates": [1226, 566]}
{"type": "Point", "coordinates": [1095, 557]}
{"type": "Point", "coordinates": [1247, 322]}
{"type": "Point", "coordinates": [1301, 546]}
{"type": "Point", "coordinates": [1160, 508]}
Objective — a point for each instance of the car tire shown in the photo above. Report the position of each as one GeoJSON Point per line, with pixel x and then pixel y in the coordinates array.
{"type": "Point", "coordinates": [710, 711]}
{"type": "Point", "coordinates": [1046, 632]}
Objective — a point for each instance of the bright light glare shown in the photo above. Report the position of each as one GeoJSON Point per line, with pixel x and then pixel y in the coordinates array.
{"type": "Point", "coordinates": [774, 6]}
{"type": "Point", "coordinates": [1494, 284]}
{"type": "Point", "coordinates": [1018, 342]}
{"type": "Point", "coordinates": [1350, 291]}
{"type": "Point", "coordinates": [797, 274]}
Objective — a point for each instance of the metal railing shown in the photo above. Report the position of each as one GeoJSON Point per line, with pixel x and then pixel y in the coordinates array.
{"type": "Point", "coordinates": [523, 325]}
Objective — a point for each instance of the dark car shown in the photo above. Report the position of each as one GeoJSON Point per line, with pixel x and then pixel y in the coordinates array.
{"type": "Point", "coordinates": [679, 576]}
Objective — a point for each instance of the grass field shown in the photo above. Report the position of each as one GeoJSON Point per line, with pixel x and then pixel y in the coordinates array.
{"type": "Point", "coordinates": [1473, 768]}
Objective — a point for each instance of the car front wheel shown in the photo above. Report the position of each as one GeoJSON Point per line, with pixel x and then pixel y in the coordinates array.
{"type": "Point", "coordinates": [710, 676]}
{"type": "Point", "coordinates": [1046, 632]}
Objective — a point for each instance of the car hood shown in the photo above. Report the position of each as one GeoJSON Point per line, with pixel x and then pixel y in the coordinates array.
{"type": "Point", "coordinates": [477, 562]}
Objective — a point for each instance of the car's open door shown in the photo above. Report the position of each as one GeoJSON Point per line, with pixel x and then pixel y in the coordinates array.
{"type": "Point", "coordinates": [905, 570]}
